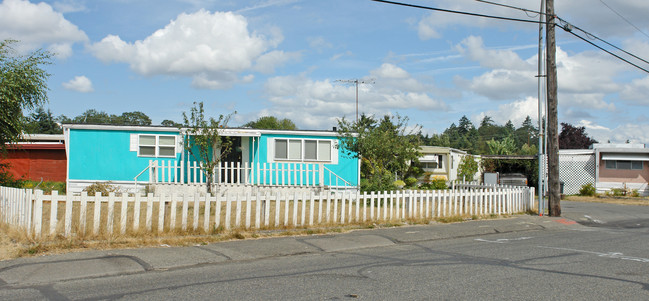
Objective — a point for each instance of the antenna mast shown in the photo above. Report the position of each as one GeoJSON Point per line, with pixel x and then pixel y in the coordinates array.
{"type": "Point", "coordinates": [356, 82]}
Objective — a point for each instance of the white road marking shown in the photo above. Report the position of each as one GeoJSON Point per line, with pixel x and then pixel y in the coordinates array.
{"type": "Point", "coordinates": [615, 255]}
{"type": "Point", "coordinates": [594, 220]}
{"type": "Point", "coordinates": [502, 240]}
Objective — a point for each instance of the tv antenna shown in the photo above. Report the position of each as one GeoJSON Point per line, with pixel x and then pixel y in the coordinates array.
{"type": "Point", "coordinates": [356, 82]}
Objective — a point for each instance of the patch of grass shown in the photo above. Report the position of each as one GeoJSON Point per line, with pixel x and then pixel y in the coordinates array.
{"type": "Point", "coordinates": [450, 219]}
{"type": "Point", "coordinates": [391, 225]}
{"type": "Point", "coordinates": [47, 186]}
{"type": "Point", "coordinates": [638, 201]}
{"type": "Point", "coordinates": [238, 235]}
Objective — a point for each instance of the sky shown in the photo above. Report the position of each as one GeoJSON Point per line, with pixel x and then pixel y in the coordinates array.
{"type": "Point", "coordinates": [294, 59]}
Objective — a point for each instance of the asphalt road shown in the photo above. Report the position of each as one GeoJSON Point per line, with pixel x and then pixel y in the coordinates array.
{"type": "Point", "coordinates": [594, 252]}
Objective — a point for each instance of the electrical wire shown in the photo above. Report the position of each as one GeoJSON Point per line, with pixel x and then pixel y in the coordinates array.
{"type": "Point", "coordinates": [456, 11]}
{"type": "Point", "coordinates": [625, 19]}
{"type": "Point", "coordinates": [536, 13]}
{"type": "Point", "coordinates": [601, 48]}
{"type": "Point", "coordinates": [568, 27]}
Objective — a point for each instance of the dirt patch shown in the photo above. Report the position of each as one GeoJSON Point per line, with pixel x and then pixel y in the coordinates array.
{"type": "Point", "coordinates": [638, 201]}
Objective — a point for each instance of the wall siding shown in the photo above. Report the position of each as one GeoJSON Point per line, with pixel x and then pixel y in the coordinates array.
{"type": "Point", "coordinates": [104, 155]}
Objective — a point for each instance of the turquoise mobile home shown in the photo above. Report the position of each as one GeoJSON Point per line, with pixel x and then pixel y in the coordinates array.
{"type": "Point", "coordinates": [133, 157]}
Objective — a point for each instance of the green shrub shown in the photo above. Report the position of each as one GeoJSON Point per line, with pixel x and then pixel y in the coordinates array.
{"type": "Point", "coordinates": [587, 190]}
{"type": "Point", "coordinates": [410, 182]}
{"type": "Point", "coordinates": [437, 183]}
{"type": "Point", "coordinates": [102, 187]}
{"type": "Point", "coordinates": [399, 184]}
{"type": "Point", "coordinates": [377, 183]}
{"type": "Point", "coordinates": [616, 192]}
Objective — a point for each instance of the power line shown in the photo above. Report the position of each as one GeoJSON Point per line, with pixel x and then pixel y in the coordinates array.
{"type": "Point", "coordinates": [568, 27]}
{"type": "Point", "coordinates": [456, 11]}
{"type": "Point", "coordinates": [625, 19]}
{"type": "Point", "coordinates": [611, 53]}
{"type": "Point", "coordinates": [514, 7]}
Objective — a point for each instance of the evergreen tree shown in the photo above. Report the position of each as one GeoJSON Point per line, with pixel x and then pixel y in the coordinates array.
{"type": "Point", "coordinates": [42, 122]}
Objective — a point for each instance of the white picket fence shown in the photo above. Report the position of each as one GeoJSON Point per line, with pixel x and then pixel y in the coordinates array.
{"type": "Point", "coordinates": [259, 174]}
{"type": "Point", "coordinates": [16, 206]}
{"type": "Point", "coordinates": [71, 215]}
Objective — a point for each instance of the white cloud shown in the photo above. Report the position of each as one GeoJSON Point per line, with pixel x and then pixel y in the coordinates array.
{"type": "Point", "coordinates": [317, 103]}
{"type": "Point", "coordinates": [585, 78]}
{"type": "Point", "coordinates": [432, 25]}
{"type": "Point", "coordinates": [339, 55]}
{"type": "Point", "coordinates": [212, 48]}
{"type": "Point", "coordinates": [265, 4]}
{"type": "Point", "coordinates": [514, 112]}
{"type": "Point", "coordinates": [80, 84]}
{"type": "Point", "coordinates": [36, 25]}
{"type": "Point", "coordinates": [633, 132]}
{"type": "Point", "coordinates": [510, 77]}
{"type": "Point", "coordinates": [637, 91]}
{"type": "Point", "coordinates": [267, 62]}
{"type": "Point", "coordinates": [597, 18]}
{"type": "Point", "coordinates": [319, 43]}
{"type": "Point", "coordinates": [591, 15]}
{"type": "Point", "coordinates": [69, 6]}
{"type": "Point", "coordinates": [474, 49]}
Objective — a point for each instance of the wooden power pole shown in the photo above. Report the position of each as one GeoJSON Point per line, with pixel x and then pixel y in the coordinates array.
{"type": "Point", "coordinates": [552, 102]}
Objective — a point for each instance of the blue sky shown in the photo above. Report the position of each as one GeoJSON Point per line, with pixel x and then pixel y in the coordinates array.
{"type": "Point", "coordinates": [284, 57]}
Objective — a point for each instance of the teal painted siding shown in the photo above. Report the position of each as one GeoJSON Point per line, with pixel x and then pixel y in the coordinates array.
{"type": "Point", "coordinates": [104, 155]}
{"type": "Point", "coordinates": [347, 168]}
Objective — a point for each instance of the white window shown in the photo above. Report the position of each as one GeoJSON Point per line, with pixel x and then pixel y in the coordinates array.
{"type": "Point", "coordinates": [303, 150]}
{"type": "Point", "coordinates": [619, 164]}
{"type": "Point", "coordinates": [156, 146]}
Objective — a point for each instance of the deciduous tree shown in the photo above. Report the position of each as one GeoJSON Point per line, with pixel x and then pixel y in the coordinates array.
{"type": "Point", "coordinates": [572, 137]}
{"type": "Point", "coordinates": [271, 123]}
{"type": "Point", "coordinates": [203, 141]}
{"type": "Point", "coordinates": [386, 146]}
{"type": "Point", "coordinates": [468, 168]}
{"type": "Point", "coordinates": [23, 86]}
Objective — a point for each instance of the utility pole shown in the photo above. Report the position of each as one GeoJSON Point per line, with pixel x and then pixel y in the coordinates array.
{"type": "Point", "coordinates": [356, 82]}
{"type": "Point", "coordinates": [542, 115]}
{"type": "Point", "coordinates": [552, 102]}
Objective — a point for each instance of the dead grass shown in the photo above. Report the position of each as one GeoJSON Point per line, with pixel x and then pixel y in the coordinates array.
{"type": "Point", "coordinates": [16, 243]}
{"type": "Point", "coordinates": [638, 201]}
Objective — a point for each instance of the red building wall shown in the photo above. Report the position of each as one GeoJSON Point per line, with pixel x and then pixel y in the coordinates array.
{"type": "Point", "coordinates": [36, 161]}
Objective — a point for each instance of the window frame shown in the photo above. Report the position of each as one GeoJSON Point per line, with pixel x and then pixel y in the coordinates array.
{"type": "Point", "coordinates": [157, 146]}
{"type": "Point", "coordinates": [615, 166]}
{"type": "Point", "coordinates": [302, 144]}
